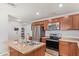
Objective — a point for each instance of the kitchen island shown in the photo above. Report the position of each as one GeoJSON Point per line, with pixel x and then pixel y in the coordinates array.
{"type": "Point", "coordinates": [19, 49]}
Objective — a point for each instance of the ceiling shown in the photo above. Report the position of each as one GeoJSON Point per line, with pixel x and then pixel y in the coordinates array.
{"type": "Point", "coordinates": [27, 11]}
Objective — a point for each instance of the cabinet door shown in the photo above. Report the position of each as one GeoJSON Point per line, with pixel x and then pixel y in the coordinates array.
{"type": "Point", "coordinates": [73, 49]}
{"type": "Point", "coordinates": [40, 51]}
{"type": "Point", "coordinates": [44, 39]}
{"type": "Point", "coordinates": [54, 20]}
{"type": "Point", "coordinates": [78, 52]}
{"type": "Point", "coordinates": [76, 22]}
{"type": "Point", "coordinates": [46, 25]}
{"type": "Point", "coordinates": [66, 23]}
{"type": "Point", "coordinates": [63, 48]}
{"type": "Point", "coordinates": [42, 23]}
{"type": "Point", "coordinates": [68, 48]}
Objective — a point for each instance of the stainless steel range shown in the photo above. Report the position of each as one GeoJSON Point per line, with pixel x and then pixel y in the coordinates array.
{"type": "Point", "coordinates": [53, 42]}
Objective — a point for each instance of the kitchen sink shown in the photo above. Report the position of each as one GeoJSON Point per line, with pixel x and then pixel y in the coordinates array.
{"type": "Point", "coordinates": [31, 43]}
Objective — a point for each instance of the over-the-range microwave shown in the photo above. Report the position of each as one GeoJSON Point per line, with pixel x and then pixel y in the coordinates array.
{"type": "Point", "coordinates": [53, 26]}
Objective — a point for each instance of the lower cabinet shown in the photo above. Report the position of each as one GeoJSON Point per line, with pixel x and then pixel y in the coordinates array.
{"type": "Point", "coordinates": [78, 51]}
{"type": "Point", "coordinates": [40, 51]}
{"type": "Point", "coordinates": [68, 48]}
{"type": "Point", "coordinates": [13, 52]}
{"type": "Point", "coordinates": [43, 39]}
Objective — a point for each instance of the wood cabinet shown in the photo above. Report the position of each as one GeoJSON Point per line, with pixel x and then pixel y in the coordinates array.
{"type": "Point", "coordinates": [78, 52]}
{"type": "Point", "coordinates": [41, 23]}
{"type": "Point", "coordinates": [66, 23]}
{"type": "Point", "coordinates": [46, 25]}
{"type": "Point", "coordinates": [63, 48]}
{"type": "Point", "coordinates": [54, 20]}
{"type": "Point", "coordinates": [43, 39]}
{"type": "Point", "coordinates": [37, 52]}
{"type": "Point", "coordinates": [68, 48]}
{"type": "Point", "coordinates": [70, 22]}
{"type": "Point", "coordinates": [76, 22]}
{"type": "Point", "coordinates": [13, 52]}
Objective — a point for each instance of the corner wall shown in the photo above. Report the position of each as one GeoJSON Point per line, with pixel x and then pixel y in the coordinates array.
{"type": "Point", "coordinates": [3, 28]}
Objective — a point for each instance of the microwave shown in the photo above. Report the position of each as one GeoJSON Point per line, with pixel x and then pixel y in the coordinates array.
{"type": "Point", "coordinates": [53, 26]}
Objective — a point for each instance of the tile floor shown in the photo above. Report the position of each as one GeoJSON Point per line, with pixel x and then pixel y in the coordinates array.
{"type": "Point", "coordinates": [47, 54]}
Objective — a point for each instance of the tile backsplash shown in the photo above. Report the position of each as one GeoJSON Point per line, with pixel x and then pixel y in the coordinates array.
{"type": "Point", "coordinates": [68, 33]}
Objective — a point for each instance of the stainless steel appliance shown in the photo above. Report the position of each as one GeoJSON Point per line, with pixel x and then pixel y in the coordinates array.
{"type": "Point", "coordinates": [53, 42]}
{"type": "Point", "coordinates": [55, 36]}
{"type": "Point", "coordinates": [53, 26]}
{"type": "Point", "coordinates": [37, 33]}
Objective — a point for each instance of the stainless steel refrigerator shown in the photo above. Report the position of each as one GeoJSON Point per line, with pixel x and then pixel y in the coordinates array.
{"type": "Point", "coordinates": [37, 33]}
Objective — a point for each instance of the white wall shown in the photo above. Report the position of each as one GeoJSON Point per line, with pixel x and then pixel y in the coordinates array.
{"type": "Point", "coordinates": [12, 33]}
{"type": "Point", "coordinates": [28, 29]}
{"type": "Point", "coordinates": [3, 28]}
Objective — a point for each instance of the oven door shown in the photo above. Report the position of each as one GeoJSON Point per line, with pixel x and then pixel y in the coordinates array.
{"type": "Point", "coordinates": [52, 45]}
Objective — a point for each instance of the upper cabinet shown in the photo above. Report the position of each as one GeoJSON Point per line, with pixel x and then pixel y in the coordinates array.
{"type": "Point", "coordinates": [43, 23]}
{"type": "Point", "coordinates": [66, 23]}
{"type": "Point", "coordinates": [76, 22]}
{"type": "Point", "coordinates": [46, 25]}
{"type": "Point", "coordinates": [54, 20]}
{"type": "Point", "coordinates": [70, 22]}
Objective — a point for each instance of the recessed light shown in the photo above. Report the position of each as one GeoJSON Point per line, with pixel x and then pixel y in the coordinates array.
{"type": "Point", "coordinates": [60, 5]}
{"type": "Point", "coordinates": [37, 13]}
{"type": "Point", "coordinates": [18, 20]}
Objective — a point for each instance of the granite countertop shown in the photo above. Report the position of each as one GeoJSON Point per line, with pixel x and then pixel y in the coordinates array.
{"type": "Point", "coordinates": [24, 48]}
{"type": "Point", "coordinates": [70, 40]}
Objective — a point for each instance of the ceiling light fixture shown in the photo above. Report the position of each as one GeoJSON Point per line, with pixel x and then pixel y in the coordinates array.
{"type": "Point", "coordinates": [60, 5]}
{"type": "Point", "coordinates": [37, 13]}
